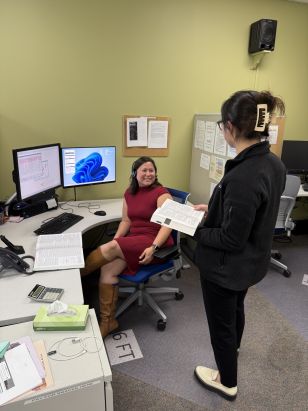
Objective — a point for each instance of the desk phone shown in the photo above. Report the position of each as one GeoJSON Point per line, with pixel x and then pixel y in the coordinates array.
{"type": "Point", "coordinates": [44, 294]}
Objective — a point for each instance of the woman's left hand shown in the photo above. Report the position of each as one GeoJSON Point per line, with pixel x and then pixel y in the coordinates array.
{"type": "Point", "coordinates": [147, 256]}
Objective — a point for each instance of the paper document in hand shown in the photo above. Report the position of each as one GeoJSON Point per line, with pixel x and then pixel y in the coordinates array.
{"type": "Point", "coordinates": [180, 217]}
{"type": "Point", "coordinates": [58, 252]}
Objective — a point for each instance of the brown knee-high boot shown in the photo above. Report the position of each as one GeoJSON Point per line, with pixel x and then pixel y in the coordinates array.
{"type": "Point", "coordinates": [94, 261]}
{"type": "Point", "coordinates": [108, 297]}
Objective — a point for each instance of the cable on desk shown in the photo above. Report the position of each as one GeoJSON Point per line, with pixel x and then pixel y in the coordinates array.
{"type": "Point", "coordinates": [90, 206]}
{"type": "Point", "coordinates": [55, 349]}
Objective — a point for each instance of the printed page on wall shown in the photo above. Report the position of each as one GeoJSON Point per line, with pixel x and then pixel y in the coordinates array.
{"type": "Point", "coordinates": [158, 134]}
{"type": "Point", "coordinates": [210, 128]}
{"type": "Point", "coordinates": [200, 134]}
{"type": "Point", "coordinates": [137, 132]}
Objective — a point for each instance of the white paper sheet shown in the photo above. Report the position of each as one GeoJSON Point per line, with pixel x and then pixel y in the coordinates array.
{"type": "Point", "coordinates": [58, 252]}
{"type": "Point", "coordinates": [137, 133]}
{"type": "Point", "coordinates": [220, 142]}
{"type": "Point", "coordinates": [158, 134]}
{"type": "Point", "coordinates": [210, 128]}
{"type": "Point", "coordinates": [200, 134]}
{"type": "Point", "coordinates": [205, 161]}
{"type": "Point", "coordinates": [180, 217]}
{"type": "Point", "coordinates": [217, 168]}
{"type": "Point", "coordinates": [273, 133]}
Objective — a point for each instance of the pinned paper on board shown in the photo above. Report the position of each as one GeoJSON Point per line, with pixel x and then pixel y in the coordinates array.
{"type": "Point", "coordinates": [137, 135]}
{"type": "Point", "coordinates": [146, 136]}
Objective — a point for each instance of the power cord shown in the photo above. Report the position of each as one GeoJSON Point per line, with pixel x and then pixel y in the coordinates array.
{"type": "Point", "coordinates": [56, 351]}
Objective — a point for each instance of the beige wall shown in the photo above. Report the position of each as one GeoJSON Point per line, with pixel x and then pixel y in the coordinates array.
{"type": "Point", "coordinates": [69, 70]}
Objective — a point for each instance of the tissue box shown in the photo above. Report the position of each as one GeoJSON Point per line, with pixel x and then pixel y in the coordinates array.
{"type": "Point", "coordinates": [61, 322]}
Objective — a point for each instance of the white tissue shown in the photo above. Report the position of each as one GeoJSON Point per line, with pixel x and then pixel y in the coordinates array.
{"type": "Point", "coordinates": [60, 308]}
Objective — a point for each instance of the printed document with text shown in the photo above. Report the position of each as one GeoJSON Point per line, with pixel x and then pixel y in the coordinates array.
{"type": "Point", "coordinates": [58, 252]}
{"type": "Point", "coordinates": [180, 217]}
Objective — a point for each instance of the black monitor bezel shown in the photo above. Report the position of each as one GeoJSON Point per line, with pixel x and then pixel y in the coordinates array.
{"type": "Point", "coordinates": [88, 184]}
{"type": "Point", "coordinates": [46, 194]}
{"type": "Point", "coordinates": [297, 171]}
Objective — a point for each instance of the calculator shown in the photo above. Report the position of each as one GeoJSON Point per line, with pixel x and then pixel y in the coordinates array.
{"type": "Point", "coordinates": [45, 294]}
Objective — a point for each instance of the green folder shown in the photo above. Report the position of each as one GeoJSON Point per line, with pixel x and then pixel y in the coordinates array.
{"type": "Point", "coordinates": [61, 322]}
{"type": "Point", "coordinates": [3, 347]}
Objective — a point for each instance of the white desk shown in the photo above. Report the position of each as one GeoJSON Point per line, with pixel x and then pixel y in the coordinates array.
{"type": "Point", "coordinates": [15, 306]}
{"type": "Point", "coordinates": [302, 193]}
{"type": "Point", "coordinates": [83, 383]}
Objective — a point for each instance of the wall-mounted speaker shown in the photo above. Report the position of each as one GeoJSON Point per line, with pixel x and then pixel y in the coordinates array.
{"type": "Point", "coordinates": [262, 35]}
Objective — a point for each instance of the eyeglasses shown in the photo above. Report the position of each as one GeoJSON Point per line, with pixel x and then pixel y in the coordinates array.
{"type": "Point", "coordinates": [221, 125]}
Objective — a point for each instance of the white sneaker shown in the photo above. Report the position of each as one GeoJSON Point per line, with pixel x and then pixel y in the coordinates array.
{"type": "Point", "coordinates": [207, 376]}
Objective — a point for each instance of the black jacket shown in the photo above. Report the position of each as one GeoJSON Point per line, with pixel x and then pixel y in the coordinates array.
{"type": "Point", "coordinates": [234, 243]}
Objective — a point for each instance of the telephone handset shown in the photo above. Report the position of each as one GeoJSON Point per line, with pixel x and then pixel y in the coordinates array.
{"type": "Point", "coordinates": [9, 259]}
{"type": "Point", "coordinates": [17, 249]}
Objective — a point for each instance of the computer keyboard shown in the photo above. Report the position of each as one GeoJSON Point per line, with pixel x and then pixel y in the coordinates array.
{"type": "Point", "coordinates": [58, 224]}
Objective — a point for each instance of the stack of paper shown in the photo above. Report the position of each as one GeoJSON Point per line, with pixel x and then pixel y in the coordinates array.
{"type": "Point", "coordinates": [24, 368]}
{"type": "Point", "coordinates": [180, 217]}
{"type": "Point", "coordinates": [77, 320]}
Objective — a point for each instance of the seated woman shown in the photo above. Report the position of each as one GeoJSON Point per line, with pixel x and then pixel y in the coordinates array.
{"type": "Point", "coordinates": [134, 242]}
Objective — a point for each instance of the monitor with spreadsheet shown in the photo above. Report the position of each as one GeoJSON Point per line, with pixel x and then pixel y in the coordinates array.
{"type": "Point", "coordinates": [37, 171]}
{"type": "Point", "coordinates": [295, 156]}
{"type": "Point", "coordinates": [88, 165]}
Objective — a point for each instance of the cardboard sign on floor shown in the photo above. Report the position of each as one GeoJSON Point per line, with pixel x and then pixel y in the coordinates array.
{"type": "Point", "coordinates": [122, 347]}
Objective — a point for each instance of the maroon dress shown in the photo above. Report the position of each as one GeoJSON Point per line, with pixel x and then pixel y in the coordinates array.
{"type": "Point", "coordinates": [142, 233]}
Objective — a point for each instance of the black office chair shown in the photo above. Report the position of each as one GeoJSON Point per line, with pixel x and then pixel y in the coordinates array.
{"type": "Point", "coordinates": [170, 268]}
{"type": "Point", "coordinates": [284, 222]}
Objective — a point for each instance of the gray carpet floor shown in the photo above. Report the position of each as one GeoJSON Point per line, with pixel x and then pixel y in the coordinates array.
{"type": "Point", "coordinates": [273, 361]}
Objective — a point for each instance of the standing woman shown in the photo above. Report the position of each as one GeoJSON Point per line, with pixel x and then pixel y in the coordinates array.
{"type": "Point", "coordinates": [234, 243]}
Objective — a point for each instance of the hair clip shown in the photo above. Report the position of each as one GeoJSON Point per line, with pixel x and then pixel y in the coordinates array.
{"type": "Point", "coordinates": [263, 117]}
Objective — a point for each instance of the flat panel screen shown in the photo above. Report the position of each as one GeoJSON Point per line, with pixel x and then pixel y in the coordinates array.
{"type": "Point", "coordinates": [36, 170]}
{"type": "Point", "coordinates": [295, 156]}
{"type": "Point", "coordinates": [88, 165]}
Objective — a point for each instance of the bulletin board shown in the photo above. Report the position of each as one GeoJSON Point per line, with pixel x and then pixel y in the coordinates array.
{"type": "Point", "coordinates": [204, 175]}
{"type": "Point", "coordinates": [154, 144]}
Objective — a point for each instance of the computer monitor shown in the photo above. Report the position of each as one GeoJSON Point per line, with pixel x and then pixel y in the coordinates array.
{"type": "Point", "coordinates": [295, 156]}
{"type": "Point", "coordinates": [83, 166]}
{"type": "Point", "coordinates": [37, 172]}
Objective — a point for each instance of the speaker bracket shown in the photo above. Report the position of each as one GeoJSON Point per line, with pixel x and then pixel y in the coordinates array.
{"type": "Point", "coordinates": [256, 58]}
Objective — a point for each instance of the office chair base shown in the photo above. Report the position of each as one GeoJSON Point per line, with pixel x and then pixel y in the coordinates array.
{"type": "Point", "coordinates": [276, 254]}
{"type": "Point", "coordinates": [285, 271]}
{"type": "Point", "coordinates": [143, 294]}
{"type": "Point", "coordinates": [161, 325]}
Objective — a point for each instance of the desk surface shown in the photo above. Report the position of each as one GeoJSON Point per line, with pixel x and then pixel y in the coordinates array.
{"type": "Point", "coordinates": [80, 383]}
{"type": "Point", "coordinates": [15, 306]}
{"type": "Point", "coordinates": [302, 193]}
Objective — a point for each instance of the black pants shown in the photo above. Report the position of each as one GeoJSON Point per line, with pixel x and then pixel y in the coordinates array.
{"type": "Point", "coordinates": [226, 319]}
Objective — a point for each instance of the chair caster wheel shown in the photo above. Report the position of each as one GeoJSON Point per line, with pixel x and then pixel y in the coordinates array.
{"type": "Point", "coordinates": [161, 325]}
{"type": "Point", "coordinates": [286, 273]}
{"type": "Point", "coordinates": [179, 296]}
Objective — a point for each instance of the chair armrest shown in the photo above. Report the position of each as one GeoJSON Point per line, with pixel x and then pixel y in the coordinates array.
{"type": "Point", "coordinates": [167, 252]}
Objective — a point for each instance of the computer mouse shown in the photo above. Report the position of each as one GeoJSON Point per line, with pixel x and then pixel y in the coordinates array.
{"type": "Point", "coordinates": [100, 212]}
